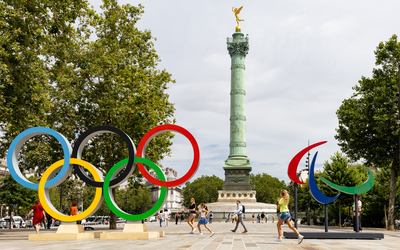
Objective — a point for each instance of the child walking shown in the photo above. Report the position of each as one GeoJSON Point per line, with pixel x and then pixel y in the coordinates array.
{"type": "Point", "coordinates": [203, 220]}
{"type": "Point", "coordinates": [285, 216]}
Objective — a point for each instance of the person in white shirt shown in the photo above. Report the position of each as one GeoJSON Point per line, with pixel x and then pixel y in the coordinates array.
{"type": "Point", "coordinates": [166, 217]}
{"type": "Point", "coordinates": [359, 215]}
{"type": "Point", "coordinates": [203, 220]}
{"type": "Point", "coordinates": [239, 214]}
{"type": "Point", "coordinates": [397, 223]}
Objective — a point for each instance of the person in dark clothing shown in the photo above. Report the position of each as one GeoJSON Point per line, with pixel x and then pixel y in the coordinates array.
{"type": "Point", "coordinates": [49, 220]}
{"type": "Point", "coordinates": [192, 215]}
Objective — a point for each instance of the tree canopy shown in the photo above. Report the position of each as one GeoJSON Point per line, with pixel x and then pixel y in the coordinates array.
{"type": "Point", "coordinates": [267, 187]}
{"type": "Point", "coordinates": [66, 67]}
{"type": "Point", "coordinates": [340, 171]}
{"type": "Point", "coordinates": [16, 197]}
{"type": "Point", "coordinates": [367, 122]}
{"type": "Point", "coordinates": [204, 190]}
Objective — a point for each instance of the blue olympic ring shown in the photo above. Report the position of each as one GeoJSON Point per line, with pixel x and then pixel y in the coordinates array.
{"type": "Point", "coordinates": [16, 145]}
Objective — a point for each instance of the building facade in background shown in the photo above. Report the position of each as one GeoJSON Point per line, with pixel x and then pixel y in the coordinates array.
{"type": "Point", "coordinates": [3, 168]}
{"type": "Point", "coordinates": [173, 201]}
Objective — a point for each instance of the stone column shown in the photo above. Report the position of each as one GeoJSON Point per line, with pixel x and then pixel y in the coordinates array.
{"type": "Point", "coordinates": [237, 166]}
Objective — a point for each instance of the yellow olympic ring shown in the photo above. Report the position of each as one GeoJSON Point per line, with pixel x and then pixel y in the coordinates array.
{"type": "Point", "coordinates": [44, 196]}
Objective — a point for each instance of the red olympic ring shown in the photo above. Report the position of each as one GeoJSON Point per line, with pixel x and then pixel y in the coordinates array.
{"type": "Point", "coordinates": [153, 133]}
{"type": "Point", "coordinates": [292, 169]}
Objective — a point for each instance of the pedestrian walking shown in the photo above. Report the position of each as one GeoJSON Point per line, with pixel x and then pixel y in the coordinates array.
{"type": "Point", "coordinates": [176, 218]}
{"type": "Point", "coordinates": [253, 216]}
{"type": "Point", "coordinates": [211, 216]}
{"type": "Point", "coordinates": [262, 217]}
{"type": "Point", "coordinates": [192, 215]}
{"type": "Point", "coordinates": [160, 217]}
{"type": "Point", "coordinates": [396, 222]}
{"type": "Point", "coordinates": [239, 214]}
{"type": "Point", "coordinates": [285, 216]}
{"type": "Point", "coordinates": [182, 217]}
{"type": "Point", "coordinates": [38, 215]}
{"type": "Point", "coordinates": [258, 218]}
{"type": "Point", "coordinates": [203, 220]}
{"type": "Point", "coordinates": [166, 217]}
{"type": "Point", "coordinates": [49, 220]}
{"type": "Point", "coordinates": [359, 215]}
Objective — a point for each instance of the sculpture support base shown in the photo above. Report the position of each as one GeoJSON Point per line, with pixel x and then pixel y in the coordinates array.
{"type": "Point", "coordinates": [66, 231]}
{"type": "Point", "coordinates": [227, 204]}
{"type": "Point", "coordinates": [338, 235]}
{"type": "Point", "coordinates": [232, 196]}
{"type": "Point", "coordinates": [132, 232]}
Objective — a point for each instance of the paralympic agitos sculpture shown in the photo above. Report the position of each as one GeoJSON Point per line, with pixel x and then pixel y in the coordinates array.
{"type": "Point", "coordinates": [73, 156]}
{"type": "Point", "coordinates": [316, 193]}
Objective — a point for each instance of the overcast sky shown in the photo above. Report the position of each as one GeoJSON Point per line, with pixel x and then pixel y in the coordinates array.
{"type": "Point", "coordinates": [305, 56]}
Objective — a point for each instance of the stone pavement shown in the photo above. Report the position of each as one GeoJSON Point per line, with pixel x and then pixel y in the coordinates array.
{"type": "Point", "coordinates": [260, 236]}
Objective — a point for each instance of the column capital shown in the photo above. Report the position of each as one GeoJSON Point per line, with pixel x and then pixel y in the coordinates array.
{"type": "Point", "coordinates": [238, 44]}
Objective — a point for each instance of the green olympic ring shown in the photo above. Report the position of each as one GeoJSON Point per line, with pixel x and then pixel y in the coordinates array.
{"type": "Point", "coordinates": [110, 200]}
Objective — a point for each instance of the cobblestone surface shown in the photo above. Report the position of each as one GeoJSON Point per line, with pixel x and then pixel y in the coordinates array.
{"type": "Point", "coordinates": [260, 236]}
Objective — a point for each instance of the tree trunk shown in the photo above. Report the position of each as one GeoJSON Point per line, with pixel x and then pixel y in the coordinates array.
{"type": "Point", "coordinates": [113, 217]}
{"type": "Point", "coordinates": [392, 198]}
{"type": "Point", "coordinates": [340, 214]}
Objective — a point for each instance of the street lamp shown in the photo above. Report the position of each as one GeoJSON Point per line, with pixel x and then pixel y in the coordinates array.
{"type": "Point", "coordinates": [79, 196]}
{"type": "Point", "coordinates": [61, 196]}
{"type": "Point", "coordinates": [308, 170]}
{"type": "Point", "coordinates": [127, 200]}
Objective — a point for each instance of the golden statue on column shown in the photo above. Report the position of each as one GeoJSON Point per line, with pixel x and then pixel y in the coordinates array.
{"type": "Point", "coordinates": [237, 11]}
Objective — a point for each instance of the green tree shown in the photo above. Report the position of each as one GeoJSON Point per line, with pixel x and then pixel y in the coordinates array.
{"type": "Point", "coordinates": [16, 197]}
{"type": "Point", "coordinates": [341, 172]}
{"type": "Point", "coordinates": [367, 123]}
{"type": "Point", "coordinates": [134, 200]}
{"type": "Point", "coordinates": [32, 31]}
{"type": "Point", "coordinates": [203, 189]}
{"type": "Point", "coordinates": [79, 79]}
{"type": "Point", "coordinates": [376, 201]}
{"type": "Point", "coordinates": [119, 85]}
{"type": "Point", "coordinates": [88, 196]}
{"type": "Point", "coordinates": [267, 187]}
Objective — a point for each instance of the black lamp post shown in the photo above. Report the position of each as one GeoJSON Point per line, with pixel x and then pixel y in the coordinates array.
{"type": "Point", "coordinates": [308, 170]}
{"type": "Point", "coordinates": [61, 196]}
{"type": "Point", "coordinates": [79, 196]}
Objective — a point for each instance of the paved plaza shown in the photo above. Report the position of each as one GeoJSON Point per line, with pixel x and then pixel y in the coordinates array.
{"type": "Point", "coordinates": [260, 236]}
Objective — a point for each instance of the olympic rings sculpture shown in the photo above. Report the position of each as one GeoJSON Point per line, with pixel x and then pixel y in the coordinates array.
{"type": "Point", "coordinates": [72, 160]}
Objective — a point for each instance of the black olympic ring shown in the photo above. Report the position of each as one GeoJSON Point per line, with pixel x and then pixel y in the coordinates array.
{"type": "Point", "coordinates": [89, 134]}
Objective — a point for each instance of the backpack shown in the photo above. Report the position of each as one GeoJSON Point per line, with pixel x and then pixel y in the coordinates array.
{"type": "Point", "coordinates": [243, 209]}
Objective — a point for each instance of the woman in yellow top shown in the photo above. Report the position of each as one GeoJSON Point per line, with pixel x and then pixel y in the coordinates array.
{"type": "Point", "coordinates": [285, 216]}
